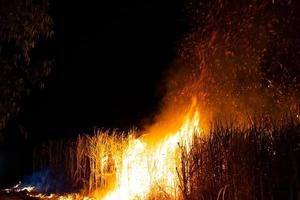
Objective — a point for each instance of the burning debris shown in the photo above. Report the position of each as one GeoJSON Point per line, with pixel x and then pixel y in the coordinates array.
{"type": "Point", "coordinates": [17, 188]}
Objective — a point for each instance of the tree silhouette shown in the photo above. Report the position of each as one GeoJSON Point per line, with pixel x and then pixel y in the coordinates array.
{"type": "Point", "coordinates": [22, 25]}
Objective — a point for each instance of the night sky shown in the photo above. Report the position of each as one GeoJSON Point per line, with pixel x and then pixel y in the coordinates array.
{"type": "Point", "coordinates": [110, 59]}
{"type": "Point", "coordinates": [109, 63]}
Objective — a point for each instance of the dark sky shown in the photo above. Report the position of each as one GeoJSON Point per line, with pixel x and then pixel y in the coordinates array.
{"type": "Point", "coordinates": [109, 60]}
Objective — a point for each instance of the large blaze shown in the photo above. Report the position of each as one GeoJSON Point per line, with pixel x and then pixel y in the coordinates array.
{"type": "Point", "coordinates": [153, 165]}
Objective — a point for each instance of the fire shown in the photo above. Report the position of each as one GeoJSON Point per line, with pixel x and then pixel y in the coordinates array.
{"type": "Point", "coordinates": [17, 188]}
{"type": "Point", "coordinates": [228, 64]}
{"type": "Point", "coordinates": [151, 166]}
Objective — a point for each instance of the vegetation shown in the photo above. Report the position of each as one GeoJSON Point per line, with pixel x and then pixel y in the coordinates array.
{"type": "Point", "coordinates": [85, 163]}
{"type": "Point", "coordinates": [22, 25]}
{"type": "Point", "coordinates": [258, 162]}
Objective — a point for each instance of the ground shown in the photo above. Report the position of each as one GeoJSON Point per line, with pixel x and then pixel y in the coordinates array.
{"type": "Point", "coordinates": [15, 196]}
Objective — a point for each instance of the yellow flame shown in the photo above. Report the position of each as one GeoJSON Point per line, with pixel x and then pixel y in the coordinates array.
{"type": "Point", "coordinates": [146, 166]}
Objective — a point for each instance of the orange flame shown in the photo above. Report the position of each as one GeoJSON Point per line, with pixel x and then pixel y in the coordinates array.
{"type": "Point", "coordinates": [147, 165]}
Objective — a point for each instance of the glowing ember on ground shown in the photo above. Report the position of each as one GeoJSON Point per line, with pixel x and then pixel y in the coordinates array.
{"type": "Point", "coordinates": [17, 188]}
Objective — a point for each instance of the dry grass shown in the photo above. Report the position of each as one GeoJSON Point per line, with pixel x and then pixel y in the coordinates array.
{"type": "Point", "coordinates": [258, 162]}
{"type": "Point", "coordinates": [87, 162]}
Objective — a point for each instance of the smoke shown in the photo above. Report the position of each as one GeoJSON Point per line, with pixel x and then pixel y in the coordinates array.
{"type": "Point", "coordinates": [240, 59]}
{"type": "Point", "coordinates": [46, 182]}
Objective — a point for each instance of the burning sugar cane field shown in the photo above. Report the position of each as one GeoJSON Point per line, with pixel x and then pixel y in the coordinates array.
{"type": "Point", "coordinates": [150, 100]}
